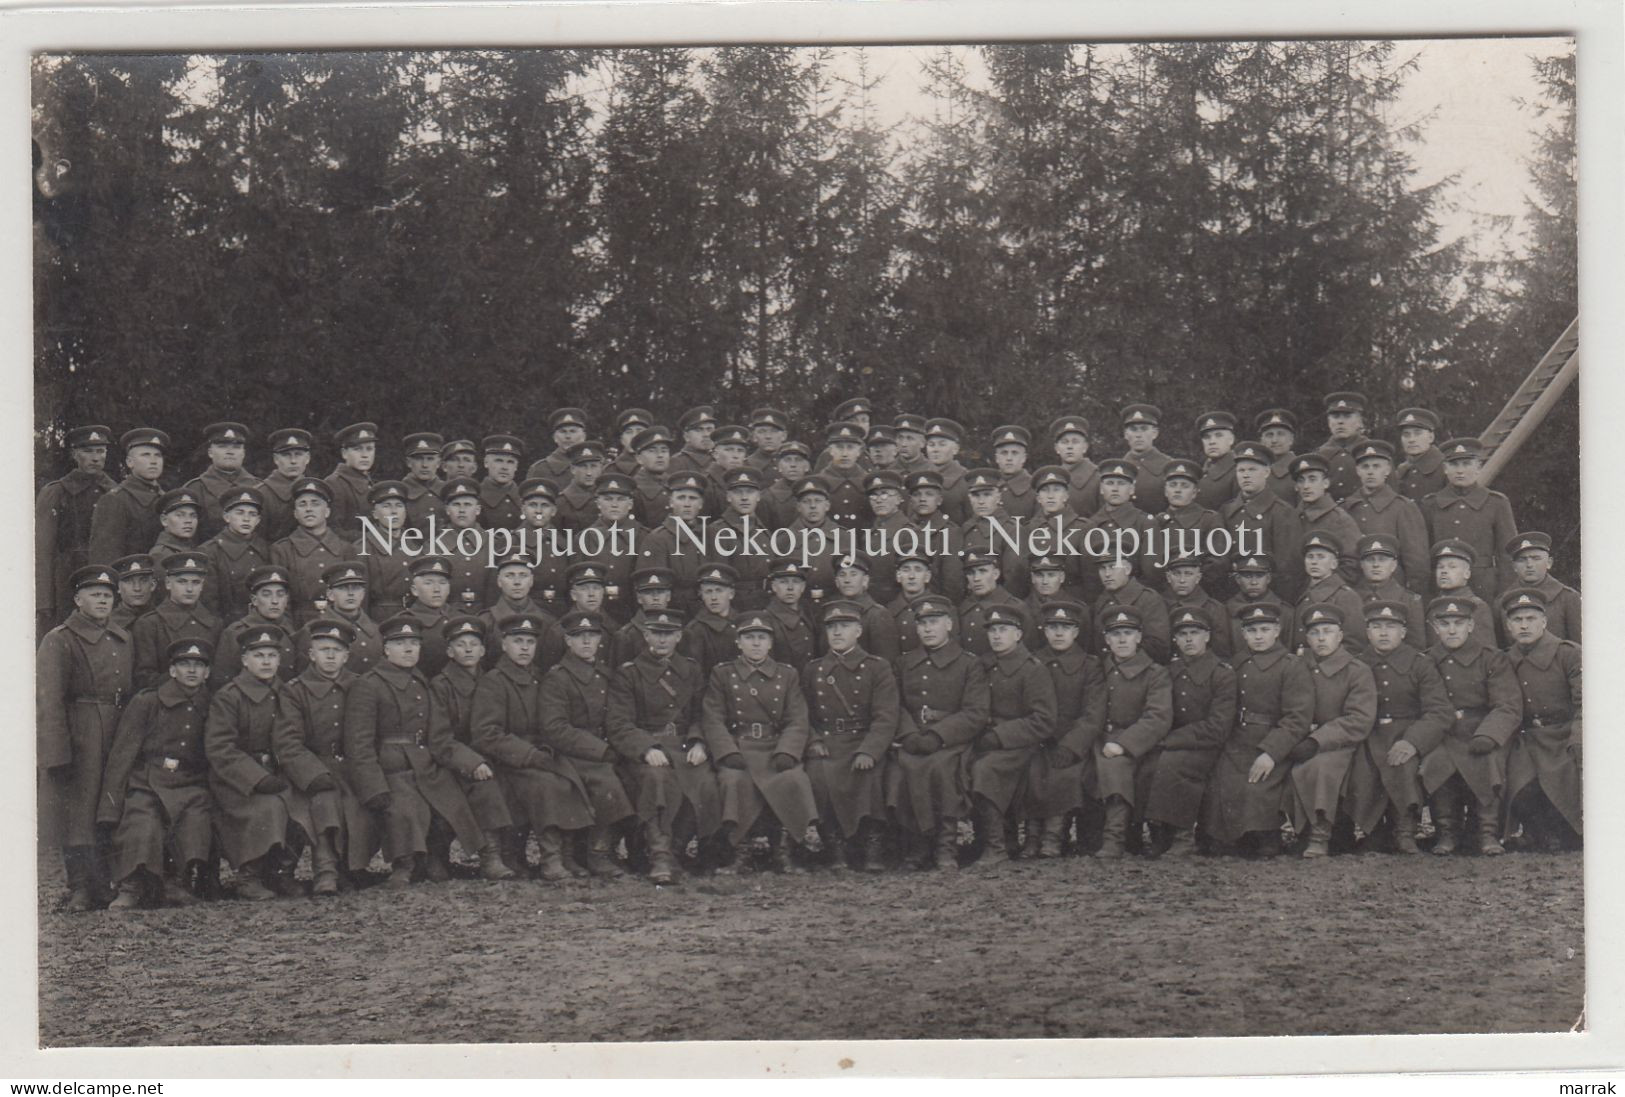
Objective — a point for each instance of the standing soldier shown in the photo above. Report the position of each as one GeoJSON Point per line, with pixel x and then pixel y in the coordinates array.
{"type": "Point", "coordinates": [1318, 512]}
{"type": "Point", "coordinates": [1326, 588]}
{"type": "Point", "coordinates": [234, 553]}
{"type": "Point", "coordinates": [1048, 576]}
{"type": "Point", "coordinates": [791, 462]}
{"type": "Point", "coordinates": [622, 539]}
{"type": "Point", "coordinates": [62, 514]}
{"type": "Point", "coordinates": [1185, 593]}
{"type": "Point", "coordinates": [177, 521]}
{"type": "Point", "coordinates": [817, 532]}
{"type": "Point", "coordinates": [628, 425]}
{"type": "Point", "coordinates": [848, 505]}
{"type": "Point", "coordinates": [429, 593]}
{"type": "Point", "coordinates": [652, 588]}
{"type": "Point", "coordinates": [945, 701]}
{"type": "Point", "coordinates": [499, 493]}
{"type": "Point", "coordinates": [795, 637]}
{"type": "Point", "coordinates": [1277, 430]}
{"type": "Point", "coordinates": [420, 490]}
{"type": "Point", "coordinates": [910, 430]}
{"type": "Point", "coordinates": [654, 723]}
{"type": "Point", "coordinates": [708, 639]}
{"type": "Point", "coordinates": [452, 693]}
{"type": "Point", "coordinates": [1345, 422]}
{"type": "Point", "coordinates": [549, 562]}
{"type": "Point", "coordinates": [346, 587]}
{"type": "Point", "coordinates": [1253, 575]}
{"type": "Point", "coordinates": [124, 520]}
{"type": "Point", "coordinates": [1070, 435]}
{"type": "Point", "coordinates": [913, 582]}
{"type": "Point", "coordinates": [514, 582]}
{"type": "Point", "coordinates": [1453, 563]}
{"type": "Point", "coordinates": [290, 458]}
{"type": "Point", "coordinates": [729, 537]}
{"type": "Point", "coordinates": [1121, 589]}
{"type": "Point", "coordinates": [697, 425]}
{"type": "Point", "coordinates": [1141, 424]}
{"type": "Point", "coordinates": [1377, 508]}
{"type": "Point", "coordinates": [730, 447]}
{"type": "Point", "coordinates": [1187, 526]}
{"type": "Point", "coordinates": [84, 673]}
{"type": "Point", "coordinates": [1261, 520]}
{"type": "Point", "coordinates": [1216, 430]}
{"type": "Point", "coordinates": [459, 457]}
{"type": "Point", "coordinates": [672, 550]}
{"type": "Point", "coordinates": [156, 789]}
{"type": "Point", "coordinates": [1129, 716]}
{"type": "Point", "coordinates": [1203, 691]}
{"type": "Point", "coordinates": [1531, 556]}
{"type": "Point", "coordinates": [1009, 447]}
{"type": "Point", "coordinates": [1345, 706]}
{"type": "Point", "coordinates": [1065, 767]}
{"type": "Point", "coordinates": [182, 616]}
{"type": "Point", "coordinates": [880, 449]}
{"type": "Point", "coordinates": [651, 449]}
{"type": "Point", "coordinates": [1543, 772]}
{"type": "Point", "coordinates": [465, 551]}
{"type": "Point", "coordinates": [1128, 529]}
{"type": "Point", "coordinates": [769, 429]}
{"type": "Point", "coordinates": [755, 722]}
{"type": "Point", "coordinates": [884, 489]}
{"type": "Point", "coordinates": [879, 626]}
{"type": "Point", "coordinates": [137, 576]}
{"type": "Point", "coordinates": [568, 426]}
{"type": "Point", "coordinates": [228, 445]}
{"type": "Point", "coordinates": [926, 496]}
{"type": "Point", "coordinates": [1275, 702]}
{"type": "Point", "coordinates": [577, 498]}
{"type": "Point", "coordinates": [1021, 723]}
{"type": "Point", "coordinates": [351, 479]}
{"type": "Point", "coordinates": [311, 548]}
{"type": "Point", "coordinates": [384, 557]}
{"type": "Point", "coordinates": [268, 606]}
{"type": "Point", "coordinates": [942, 441]}
{"type": "Point", "coordinates": [1379, 557]}
{"type": "Point", "coordinates": [984, 594]}
{"type": "Point", "coordinates": [1468, 511]}
{"type": "Point", "coordinates": [1471, 759]}
{"type": "Point", "coordinates": [1422, 472]}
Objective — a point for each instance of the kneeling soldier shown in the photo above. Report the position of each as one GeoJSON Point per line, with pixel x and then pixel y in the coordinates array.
{"type": "Point", "coordinates": [1021, 721]}
{"type": "Point", "coordinates": [156, 788]}
{"type": "Point", "coordinates": [1345, 707]}
{"type": "Point", "coordinates": [852, 705]}
{"type": "Point", "coordinates": [1543, 773]}
{"type": "Point", "coordinates": [1204, 701]}
{"type": "Point", "coordinates": [1129, 718]}
{"type": "Point", "coordinates": [1488, 708]}
{"type": "Point", "coordinates": [755, 721]}
{"type": "Point", "coordinates": [654, 723]}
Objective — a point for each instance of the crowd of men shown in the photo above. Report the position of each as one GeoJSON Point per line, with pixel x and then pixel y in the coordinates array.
{"type": "Point", "coordinates": [227, 671]}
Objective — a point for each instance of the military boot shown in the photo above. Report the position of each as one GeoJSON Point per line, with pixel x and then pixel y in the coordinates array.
{"type": "Point", "coordinates": [1052, 836]}
{"type": "Point", "coordinates": [945, 849]}
{"type": "Point", "coordinates": [278, 876]}
{"type": "Point", "coordinates": [324, 867]}
{"type": "Point", "coordinates": [400, 873]}
{"type": "Point", "coordinates": [492, 866]}
{"type": "Point", "coordinates": [600, 855]}
{"type": "Point", "coordinates": [1114, 831]}
{"type": "Point", "coordinates": [1320, 838]}
{"type": "Point", "coordinates": [1032, 842]}
{"type": "Point", "coordinates": [178, 889]}
{"type": "Point", "coordinates": [1446, 811]}
{"type": "Point", "coordinates": [1405, 834]}
{"type": "Point", "coordinates": [1182, 842]}
{"type": "Point", "coordinates": [570, 851]}
{"type": "Point", "coordinates": [251, 885]}
{"type": "Point", "coordinates": [990, 825]}
{"type": "Point", "coordinates": [131, 893]}
{"type": "Point", "coordinates": [1489, 829]}
{"type": "Point", "coordinates": [874, 848]}
{"type": "Point", "coordinates": [513, 849]}
{"type": "Point", "coordinates": [662, 865]}
{"type": "Point", "coordinates": [81, 896]}
{"type": "Point", "coordinates": [834, 848]}
{"type": "Point", "coordinates": [437, 865]}
{"type": "Point", "coordinates": [550, 868]}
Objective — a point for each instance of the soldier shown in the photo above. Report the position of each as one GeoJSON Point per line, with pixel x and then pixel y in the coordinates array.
{"type": "Point", "coordinates": [849, 506]}
{"type": "Point", "coordinates": [1379, 558]}
{"type": "Point", "coordinates": [1121, 589]}
{"type": "Point", "coordinates": [754, 717]}
{"type": "Point", "coordinates": [652, 449]}
{"type": "Point", "coordinates": [1048, 575]}
{"type": "Point", "coordinates": [697, 425]}
{"type": "Point", "coordinates": [587, 585]}
{"type": "Point", "coordinates": [1216, 430]}
{"type": "Point", "coordinates": [155, 791]}
{"type": "Point", "coordinates": [1453, 563]}
{"type": "Point", "coordinates": [137, 576]}
{"type": "Point", "coordinates": [1345, 423]}
{"type": "Point", "coordinates": [459, 457]}
{"type": "Point", "coordinates": [1277, 429]}
{"type": "Point", "coordinates": [926, 496]}
{"type": "Point", "coordinates": [884, 489]}
{"type": "Point", "coordinates": [1422, 472]}
{"type": "Point", "coordinates": [406, 766]}
{"type": "Point", "coordinates": [984, 594]}
{"type": "Point", "coordinates": [909, 430]}
{"type": "Point", "coordinates": [124, 520]}
{"type": "Point", "coordinates": [652, 588]}
{"type": "Point", "coordinates": [992, 531]}
{"type": "Point", "coordinates": [1377, 508]}
{"type": "Point", "coordinates": [1321, 555]}
{"type": "Point", "coordinates": [817, 532]}
{"type": "Point", "coordinates": [514, 581]}
{"type": "Point", "coordinates": [1070, 435]}
{"type": "Point", "coordinates": [729, 538]}
{"type": "Point", "coordinates": [1008, 445]}
{"type": "Point", "coordinates": [795, 636]}
{"type": "Point", "coordinates": [1141, 424]}
{"type": "Point", "coordinates": [880, 630]}
{"type": "Point", "coordinates": [568, 427]}
{"type": "Point", "coordinates": [311, 548]}
{"type": "Point", "coordinates": [259, 832]}
{"type": "Point", "coordinates": [616, 544]}
{"type": "Point", "coordinates": [1468, 511]}
{"type": "Point", "coordinates": [1260, 520]}
{"type": "Point", "coordinates": [181, 617]}
{"type": "Point", "coordinates": [420, 490]}
{"type": "Point", "coordinates": [234, 552]}
{"type": "Point", "coordinates": [268, 606]}
{"type": "Point", "coordinates": [1345, 705]}
{"type": "Point", "coordinates": [1184, 593]}
{"type": "Point", "coordinates": [228, 444]}
{"type": "Point", "coordinates": [62, 514]}
{"type": "Point", "coordinates": [1021, 722]}
{"type": "Point", "coordinates": [1203, 692]}
{"type": "Point", "coordinates": [452, 694]}
{"type": "Point", "coordinates": [1531, 556]}
{"type": "Point", "coordinates": [791, 463]}
{"type": "Point", "coordinates": [346, 588]}
{"type": "Point", "coordinates": [465, 544]}
{"type": "Point", "coordinates": [880, 450]}
{"type": "Point", "coordinates": [1253, 575]}
{"type": "Point", "coordinates": [1469, 765]}
{"type": "Point", "coordinates": [769, 429]}
{"type": "Point", "coordinates": [1128, 716]}
{"type": "Point", "coordinates": [578, 500]}
{"type": "Point", "coordinates": [498, 492]}
{"type": "Point", "coordinates": [1053, 525]}
{"type": "Point", "coordinates": [708, 639]}
{"type": "Point", "coordinates": [1187, 526]}
{"type": "Point", "coordinates": [1128, 528]}
{"type": "Point", "coordinates": [666, 547]}
{"type": "Point", "coordinates": [84, 672]}
{"type": "Point", "coordinates": [654, 723]}
{"type": "Point", "coordinates": [1413, 716]}
{"type": "Point", "coordinates": [945, 705]}
{"type": "Point", "coordinates": [942, 441]}
{"type": "Point", "coordinates": [177, 524]}
{"type": "Point", "coordinates": [1543, 771]}
{"type": "Point", "coordinates": [628, 425]}
{"type": "Point", "coordinates": [857, 410]}
{"type": "Point", "coordinates": [307, 741]}
{"type": "Point", "coordinates": [1319, 513]}
{"type": "Point", "coordinates": [351, 479]}
{"type": "Point", "coordinates": [730, 449]}
{"type": "Point", "coordinates": [387, 564]}
{"type": "Point", "coordinates": [1275, 703]}
{"type": "Point", "coordinates": [1062, 769]}
{"type": "Point", "coordinates": [429, 593]}
{"type": "Point", "coordinates": [536, 539]}
{"type": "Point", "coordinates": [290, 458]}
{"type": "Point", "coordinates": [913, 582]}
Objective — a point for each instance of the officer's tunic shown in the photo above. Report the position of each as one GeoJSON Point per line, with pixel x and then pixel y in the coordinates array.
{"type": "Point", "coordinates": [1204, 716]}
{"type": "Point", "coordinates": [1218, 484]}
{"type": "Point", "coordinates": [156, 786]}
{"type": "Point", "coordinates": [1339, 454]}
{"type": "Point", "coordinates": [237, 739]}
{"type": "Point", "coordinates": [708, 640]}
{"type": "Point", "coordinates": [1278, 533]}
{"type": "Point", "coordinates": [656, 703]}
{"type": "Point", "coordinates": [1063, 771]}
{"type": "Point", "coordinates": [756, 712]}
{"type": "Point", "coordinates": [944, 691]}
{"type": "Point", "coordinates": [1345, 707]}
{"type": "Point", "coordinates": [231, 556]}
{"type": "Point", "coordinates": [1154, 638]}
{"type": "Point", "coordinates": [305, 555]}
{"type": "Point", "coordinates": [500, 506]}
{"type": "Point", "coordinates": [395, 746]}
{"type": "Point", "coordinates": [350, 491]}
{"type": "Point", "coordinates": [575, 705]}
{"type": "Point", "coordinates": [1412, 705]}
{"type": "Point", "coordinates": [1419, 477]}
{"type": "Point", "coordinates": [307, 740]}
{"type": "Point", "coordinates": [1148, 494]}
{"type": "Point", "coordinates": [1332, 591]}
{"type": "Point", "coordinates": [543, 788]}
{"type": "Point", "coordinates": [1390, 514]}
{"type": "Point", "coordinates": [1549, 676]}
{"type": "Point", "coordinates": [228, 653]}
{"type": "Point", "coordinates": [155, 631]}
{"type": "Point", "coordinates": [124, 520]}
{"type": "Point", "coordinates": [1487, 701]}
{"type": "Point", "coordinates": [1482, 518]}
{"type": "Point", "coordinates": [852, 706]}
{"type": "Point", "coordinates": [1021, 722]}
{"type": "Point", "coordinates": [453, 694]}
{"type": "Point", "coordinates": [84, 673]}
{"type": "Point", "coordinates": [1416, 630]}
{"type": "Point", "coordinates": [1133, 708]}
{"type": "Point", "coordinates": [1275, 702]}
{"type": "Point", "coordinates": [62, 518]}
{"type": "Point", "coordinates": [211, 486]}
{"type": "Point", "coordinates": [973, 617]}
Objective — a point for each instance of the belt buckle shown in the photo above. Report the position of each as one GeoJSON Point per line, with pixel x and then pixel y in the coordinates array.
{"type": "Point", "coordinates": [1385, 719]}
{"type": "Point", "coordinates": [756, 731]}
{"type": "Point", "coordinates": [172, 764]}
{"type": "Point", "coordinates": [1461, 714]}
{"type": "Point", "coordinates": [669, 728]}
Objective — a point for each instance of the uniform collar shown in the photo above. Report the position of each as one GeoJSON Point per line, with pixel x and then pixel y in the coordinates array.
{"type": "Point", "coordinates": [1328, 586]}
{"type": "Point", "coordinates": [514, 672]}
{"type": "Point", "coordinates": [1401, 658]}
{"type": "Point", "coordinates": [73, 481]}
{"type": "Point", "coordinates": [1379, 499]}
{"type": "Point", "coordinates": [942, 657]}
{"type": "Point", "coordinates": [1267, 659]}
{"type": "Point", "coordinates": [579, 669]}
{"type": "Point", "coordinates": [252, 688]}
{"type": "Point", "coordinates": [1431, 460]}
{"type": "Point", "coordinates": [1474, 497]}
{"type": "Point", "coordinates": [1199, 669]}
{"type": "Point", "coordinates": [1132, 667]}
{"type": "Point", "coordinates": [783, 612]}
{"type": "Point", "coordinates": [345, 472]}
{"type": "Point", "coordinates": [89, 631]}
{"type": "Point", "coordinates": [457, 672]}
{"type": "Point", "coordinates": [1466, 655]}
{"type": "Point", "coordinates": [317, 685]}
{"type": "Point", "coordinates": [713, 621]}
{"type": "Point", "coordinates": [1541, 654]}
{"type": "Point", "coordinates": [1324, 505]}
{"type": "Point", "coordinates": [305, 542]}
{"type": "Point", "coordinates": [171, 694]}
{"type": "Point", "coordinates": [1333, 663]}
{"type": "Point", "coordinates": [396, 677]}
{"type": "Point", "coordinates": [851, 660]}
{"type": "Point", "coordinates": [139, 486]}
{"type": "Point", "coordinates": [1013, 660]}
{"type": "Point", "coordinates": [174, 615]}
{"type": "Point", "coordinates": [767, 668]}
{"type": "Point", "coordinates": [1069, 659]}
{"type": "Point", "coordinates": [1222, 464]}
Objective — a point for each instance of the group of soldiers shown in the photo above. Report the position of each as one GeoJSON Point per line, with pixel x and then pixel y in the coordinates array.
{"type": "Point", "coordinates": [230, 669]}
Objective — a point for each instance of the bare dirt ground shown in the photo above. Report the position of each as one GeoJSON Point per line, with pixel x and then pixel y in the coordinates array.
{"type": "Point", "coordinates": [1075, 948]}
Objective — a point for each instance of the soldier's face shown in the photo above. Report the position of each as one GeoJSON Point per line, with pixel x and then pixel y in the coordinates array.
{"type": "Point", "coordinates": [360, 456]}
{"type": "Point", "coordinates": [180, 522]}
{"type": "Point", "coordinates": [1123, 642]}
{"type": "Point", "coordinates": [423, 466]}
{"type": "Point", "coordinates": [927, 501]}
{"type": "Point", "coordinates": [1385, 636]}
{"type": "Point", "coordinates": [1462, 472]}
{"type": "Point", "coordinates": [144, 462]}
{"type": "Point", "coordinates": [843, 635]}
{"type": "Point", "coordinates": [813, 507]}
{"type": "Point", "coordinates": [90, 459]}
{"type": "Point", "coordinates": [521, 646]}
{"type": "Point", "coordinates": [466, 651]}
{"type": "Point", "coordinates": [1261, 635]}
{"type": "Point", "coordinates": [1060, 637]}
{"type": "Point", "coordinates": [769, 437]}
{"type": "Point", "coordinates": [851, 582]}
{"type": "Point", "coordinates": [1217, 443]}
{"type": "Point", "coordinates": [242, 520]}
{"type": "Point", "coordinates": [1451, 573]}
{"type": "Point", "coordinates": [984, 502]}
{"type": "Point", "coordinates": [1115, 573]}
{"type": "Point", "coordinates": [138, 591]}
{"type": "Point", "coordinates": [1318, 563]}
{"type": "Point", "coordinates": [1116, 491]}
{"type": "Point", "coordinates": [501, 467]}
{"type": "Point", "coordinates": [1415, 440]}
{"type": "Point", "coordinates": [698, 437]}
{"type": "Point", "coordinates": [403, 652]}
{"type": "Point", "coordinates": [463, 511]}
{"type": "Point", "coordinates": [539, 511]}
{"type": "Point", "coordinates": [328, 657]}
{"type": "Point", "coordinates": [728, 456]}
{"type": "Point", "coordinates": [843, 455]}
{"type": "Point", "coordinates": [94, 602]}
{"type": "Point", "coordinates": [910, 444]}
{"type": "Point", "coordinates": [1251, 477]}
{"type": "Point", "coordinates": [1179, 491]}
{"type": "Point", "coordinates": [1002, 638]}
{"type": "Point", "coordinates": [885, 502]}
{"type": "Point", "coordinates": [262, 662]}
{"type": "Point", "coordinates": [1532, 566]}
{"type": "Point", "coordinates": [655, 458]}
{"type": "Point", "coordinates": [861, 418]}
{"type": "Point", "coordinates": [1452, 631]}
{"type": "Point", "coordinates": [431, 590]}
{"type": "Point", "coordinates": [270, 601]}
{"type": "Point", "coordinates": [982, 578]}
{"type": "Point", "coordinates": [1191, 641]}
{"type": "Point", "coordinates": [1254, 584]}
{"type": "Point", "coordinates": [1278, 440]}
{"type": "Point", "coordinates": [653, 598]}
{"type": "Point", "coordinates": [347, 597]}
{"type": "Point", "coordinates": [189, 673]}
{"type": "Point", "coordinates": [686, 504]}
{"type": "Point", "coordinates": [934, 630]}
{"type": "Point", "coordinates": [1140, 436]}
{"type": "Point", "coordinates": [1526, 626]}
{"type": "Point", "coordinates": [716, 598]}
{"type": "Point", "coordinates": [389, 513]}
{"type": "Point", "coordinates": [912, 578]}
{"type": "Point", "coordinates": [1324, 639]}
{"type": "Point", "coordinates": [515, 581]}
{"type": "Point", "coordinates": [459, 464]}
{"type": "Point", "coordinates": [1378, 568]}
{"type": "Point", "coordinates": [586, 473]}
{"type": "Point", "coordinates": [1071, 447]}
{"type": "Point", "coordinates": [226, 456]}
{"type": "Point", "coordinates": [1048, 581]}
{"type": "Point", "coordinates": [940, 450]}
{"type": "Point", "coordinates": [788, 588]}
{"type": "Point", "coordinates": [1052, 498]}
{"type": "Point", "coordinates": [311, 511]}
{"type": "Point", "coordinates": [291, 463]}
{"type": "Point", "coordinates": [613, 506]}
{"type": "Point", "coordinates": [1183, 579]}
{"type": "Point", "coordinates": [629, 432]}
{"type": "Point", "coordinates": [1373, 472]}
{"type": "Point", "coordinates": [184, 589]}
{"type": "Point", "coordinates": [1311, 485]}
{"type": "Point", "coordinates": [569, 435]}
{"type": "Point", "coordinates": [1345, 424]}
{"type": "Point", "coordinates": [882, 455]}
{"type": "Point", "coordinates": [587, 596]}
{"type": "Point", "coordinates": [755, 645]}
{"type": "Point", "coordinates": [793, 466]}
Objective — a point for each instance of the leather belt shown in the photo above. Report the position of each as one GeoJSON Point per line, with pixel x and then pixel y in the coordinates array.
{"type": "Point", "coordinates": [404, 742]}
{"type": "Point", "coordinates": [1467, 713]}
{"type": "Point", "coordinates": [116, 699]}
{"type": "Point", "coordinates": [1258, 718]}
{"type": "Point", "coordinates": [753, 730]}
{"type": "Point", "coordinates": [669, 727]}
{"type": "Point", "coordinates": [1549, 721]}
{"type": "Point", "coordinates": [844, 726]}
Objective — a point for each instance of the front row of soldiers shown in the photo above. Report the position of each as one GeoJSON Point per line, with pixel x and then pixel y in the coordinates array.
{"type": "Point", "coordinates": [1019, 741]}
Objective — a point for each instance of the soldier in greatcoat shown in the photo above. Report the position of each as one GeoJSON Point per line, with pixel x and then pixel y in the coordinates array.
{"type": "Point", "coordinates": [1345, 425]}
{"type": "Point", "coordinates": [62, 514]}
{"type": "Point", "coordinates": [227, 447]}
{"type": "Point", "coordinates": [181, 616]}
{"type": "Point", "coordinates": [1021, 722]}
{"type": "Point", "coordinates": [1129, 716]}
{"type": "Point", "coordinates": [1277, 430]}
{"type": "Point", "coordinates": [137, 576]}
{"type": "Point", "coordinates": [453, 692]}
{"type": "Point", "coordinates": [1070, 436]}
{"type": "Point", "coordinates": [1531, 556]}
{"type": "Point", "coordinates": [1186, 527]}
{"type": "Point", "coordinates": [383, 553]}
{"type": "Point", "coordinates": [728, 538]}
{"type": "Point", "coordinates": [515, 580]}
{"type": "Point", "coordinates": [351, 478]}
{"type": "Point", "coordinates": [1421, 473]}
{"type": "Point", "coordinates": [1141, 424]}
{"type": "Point", "coordinates": [1379, 559]}
{"type": "Point", "coordinates": [466, 551]}
{"type": "Point", "coordinates": [1062, 773]}
{"type": "Point", "coordinates": [1378, 509]}
{"type": "Point", "coordinates": [1319, 513]}
{"type": "Point", "coordinates": [709, 638]}
{"type": "Point", "coordinates": [852, 708]}
{"type": "Point", "coordinates": [290, 458]}
{"type": "Point", "coordinates": [430, 591]}
{"type": "Point", "coordinates": [311, 548]}
{"type": "Point", "coordinates": [1203, 688]}
{"type": "Point", "coordinates": [985, 592]}
{"type": "Point", "coordinates": [234, 552]}
{"type": "Point", "coordinates": [1325, 587]}
{"type": "Point", "coordinates": [420, 488]}
{"type": "Point", "coordinates": [1468, 511]}
{"type": "Point", "coordinates": [796, 640]}
{"type": "Point", "coordinates": [672, 550]}
{"type": "Point", "coordinates": [941, 542]}
{"type": "Point", "coordinates": [755, 722]}
{"type": "Point", "coordinates": [1254, 576]}
{"type": "Point", "coordinates": [1119, 587]}
{"type": "Point", "coordinates": [124, 519]}
{"type": "Point", "coordinates": [1262, 521]}
{"type": "Point", "coordinates": [499, 493]}
{"type": "Point", "coordinates": [155, 792]}
{"type": "Point", "coordinates": [1543, 772]}
{"type": "Point", "coordinates": [268, 605]}
{"type": "Point", "coordinates": [1344, 708]}
{"type": "Point", "coordinates": [880, 630]}
{"type": "Point", "coordinates": [346, 587]}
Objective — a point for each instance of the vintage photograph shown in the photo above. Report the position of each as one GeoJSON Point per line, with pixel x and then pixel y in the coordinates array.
{"type": "Point", "coordinates": [807, 542]}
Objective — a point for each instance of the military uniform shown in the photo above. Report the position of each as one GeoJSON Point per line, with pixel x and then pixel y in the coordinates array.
{"type": "Point", "coordinates": [307, 740]}
{"type": "Point", "coordinates": [453, 693]}
{"type": "Point", "coordinates": [1546, 750]}
{"type": "Point", "coordinates": [795, 641]}
{"type": "Point", "coordinates": [974, 614]}
{"type": "Point", "coordinates": [1418, 477]}
{"type": "Point", "coordinates": [946, 701]}
{"type": "Point", "coordinates": [852, 708]}
{"type": "Point", "coordinates": [1124, 518]}
{"type": "Point", "coordinates": [1480, 517]}
{"type": "Point", "coordinates": [1150, 464]}
{"type": "Point", "coordinates": [238, 740]}
{"type": "Point", "coordinates": [62, 518]}
{"type": "Point", "coordinates": [1385, 513]}
{"type": "Point", "coordinates": [1134, 709]}
{"type": "Point", "coordinates": [955, 504]}
{"type": "Point", "coordinates": [124, 520]}
{"type": "Point", "coordinates": [1325, 517]}
{"type": "Point", "coordinates": [213, 484]}
{"type": "Point", "coordinates": [1188, 526]}
{"type": "Point", "coordinates": [1238, 642]}
{"type": "Point", "coordinates": [1332, 591]}
{"type": "Point", "coordinates": [1279, 532]}
{"type": "Point", "coordinates": [1221, 641]}
{"type": "Point", "coordinates": [155, 631]}
{"type": "Point", "coordinates": [549, 641]}
{"type": "Point", "coordinates": [1280, 478]}
{"type": "Point", "coordinates": [1153, 612]}
{"type": "Point", "coordinates": [231, 558]}
{"type": "Point", "coordinates": [656, 704]}
{"type": "Point", "coordinates": [757, 712]}
{"type": "Point", "coordinates": [575, 699]}
{"type": "Point", "coordinates": [544, 790]}
{"type": "Point", "coordinates": [350, 488]}
{"type": "Point", "coordinates": [306, 555]}
{"type": "Point", "coordinates": [1021, 722]}
{"type": "Point", "coordinates": [1339, 452]}
{"type": "Point", "coordinates": [277, 521]}
{"type": "Point", "coordinates": [1345, 705]}
{"type": "Point", "coordinates": [664, 547]}
{"type": "Point", "coordinates": [228, 660]}
{"type": "Point", "coordinates": [1064, 771]}
{"type": "Point", "coordinates": [1203, 692]}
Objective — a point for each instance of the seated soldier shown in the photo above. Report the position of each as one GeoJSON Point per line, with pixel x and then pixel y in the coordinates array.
{"type": "Point", "coordinates": [1129, 716]}
{"type": "Point", "coordinates": [1345, 706]}
{"type": "Point", "coordinates": [852, 708]}
{"type": "Point", "coordinates": [1064, 769]}
{"type": "Point", "coordinates": [156, 788]}
{"type": "Point", "coordinates": [453, 694]}
{"type": "Point", "coordinates": [755, 721]}
{"type": "Point", "coordinates": [1021, 721]}
{"type": "Point", "coordinates": [1204, 714]}
{"type": "Point", "coordinates": [1543, 772]}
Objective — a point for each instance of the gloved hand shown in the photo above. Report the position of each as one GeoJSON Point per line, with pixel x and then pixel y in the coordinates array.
{"type": "Point", "coordinates": [379, 803]}
{"type": "Point", "coordinates": [271, 784]}
{"type": "Point", "coordinates": [1400, 753]}
{"type": "Point", "coordinates": [1062, 757]}
{"type": "Point", "coordinates": [322, 782]}
{"type": "Point", "coordinates": [1481, 744]}
{"type": "Point", "coordinates": [862, 762]}
{"type": "Point", "coordinates": [915, 743]}
{"type": "Point", "coordinates": [733, 761]}
{"type": "Point", "coordinates": [1305, 750]}
{"type": "Point", "coordinates": [785, 762]}
{"type": "Point", "coordinates": [817, 750]}
{"type": "Point", "coordinates": [988, 740]}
